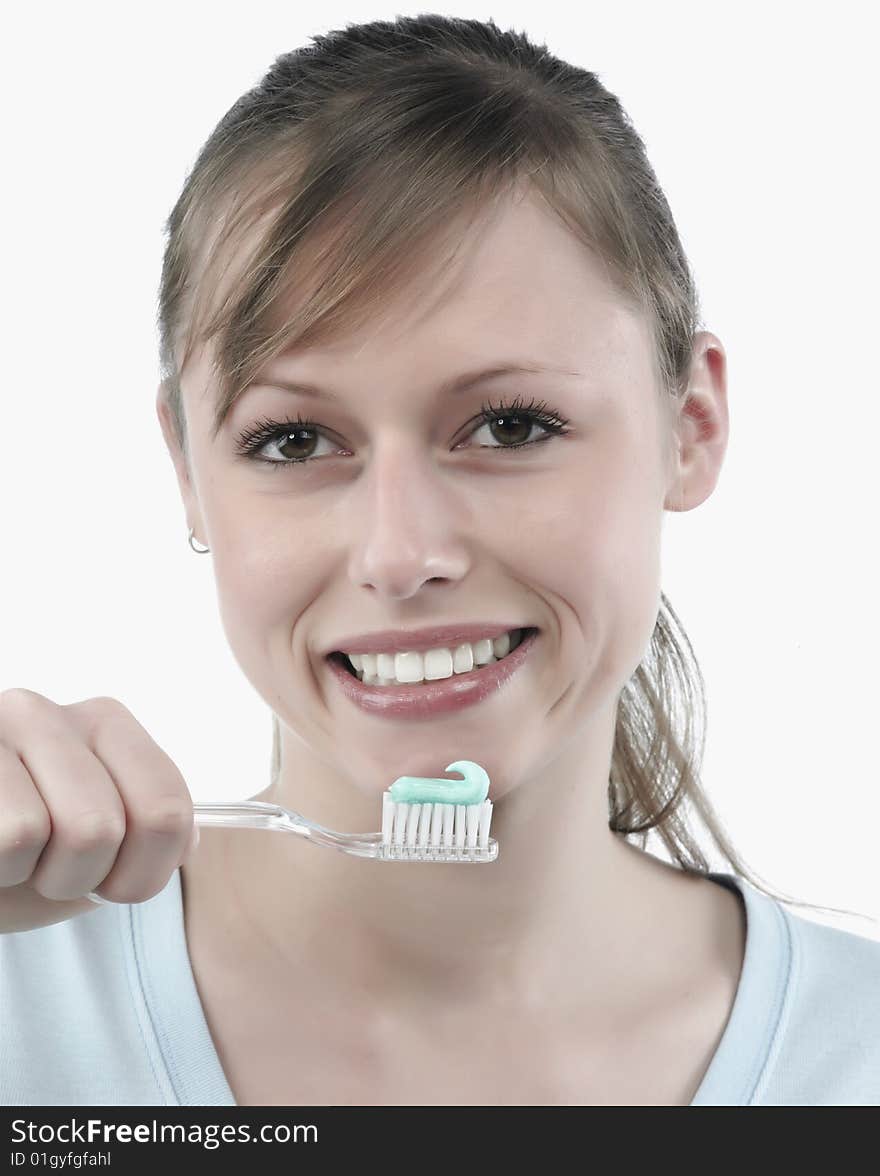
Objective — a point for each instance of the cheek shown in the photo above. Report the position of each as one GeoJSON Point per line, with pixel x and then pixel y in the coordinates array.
{"type": "Point", "coordinates": [594, 530]}
{"type": "Point", "coordinates": [597, 551]}
{"type": "Point", "coordinates": [263, 585]}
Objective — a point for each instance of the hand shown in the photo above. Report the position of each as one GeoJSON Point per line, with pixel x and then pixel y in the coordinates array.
{"type": "Point", "coordinates": [88, 802]}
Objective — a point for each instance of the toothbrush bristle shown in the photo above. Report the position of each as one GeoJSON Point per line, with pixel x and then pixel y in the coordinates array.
{"type": "Point", "coordinates": [434, 832]}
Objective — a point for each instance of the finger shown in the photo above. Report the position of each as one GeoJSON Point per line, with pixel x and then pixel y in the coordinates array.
{"type": "Point", "coordinates": [158, 807]}
{"type": "Point", "coordinates": [192, 845]}
{"type": "Point", "coordinates": [25, 825]}
{"type": "Point", "coordinates": [86, 813]}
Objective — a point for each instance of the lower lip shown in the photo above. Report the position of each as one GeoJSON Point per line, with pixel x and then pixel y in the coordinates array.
{"type": "Point", "coordinates": [433, 698]}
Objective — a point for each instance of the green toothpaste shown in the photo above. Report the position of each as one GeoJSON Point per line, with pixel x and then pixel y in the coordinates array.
{"type": "Point", "coordinates": [473, 789]}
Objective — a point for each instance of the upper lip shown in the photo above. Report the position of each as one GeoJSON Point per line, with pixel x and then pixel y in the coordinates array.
{"type": "Point", "coordinates": [437, 637]}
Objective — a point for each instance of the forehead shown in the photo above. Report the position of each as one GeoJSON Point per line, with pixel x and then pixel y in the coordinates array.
{"type": "Point", "coordinates": [516, 269]}
{"type": "Point", "coordinates": [516, 278]}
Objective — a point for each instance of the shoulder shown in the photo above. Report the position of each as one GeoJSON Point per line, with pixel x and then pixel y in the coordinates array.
{"type": "Point", "coordinates": [836, 965]}
{"type": "Point", "coordinates": [827, 1050]}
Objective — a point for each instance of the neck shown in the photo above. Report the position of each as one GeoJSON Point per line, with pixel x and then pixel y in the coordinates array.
{"type": "Point", "coordinates": [565, 914]}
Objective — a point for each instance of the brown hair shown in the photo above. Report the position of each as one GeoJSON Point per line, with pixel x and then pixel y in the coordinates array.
{"type": "Point", "coordinates": [374, 143]}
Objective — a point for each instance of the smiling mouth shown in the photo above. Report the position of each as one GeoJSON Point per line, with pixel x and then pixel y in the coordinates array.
{"type": "Point", "coordinates": [342, 660]}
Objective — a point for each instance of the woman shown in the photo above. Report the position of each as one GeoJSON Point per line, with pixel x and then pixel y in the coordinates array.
{"type": "Point", "coordinates": [391, 213]}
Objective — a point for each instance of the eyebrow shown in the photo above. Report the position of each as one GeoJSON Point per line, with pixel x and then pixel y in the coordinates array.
{"type": "Point", "coordinates": [460, 383]}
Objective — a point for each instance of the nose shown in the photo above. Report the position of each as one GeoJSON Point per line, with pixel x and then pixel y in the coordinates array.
{"type": "Point", "coordinates": [411, 525]}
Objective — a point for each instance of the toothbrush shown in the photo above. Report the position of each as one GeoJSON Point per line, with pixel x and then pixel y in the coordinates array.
{"type": "Point", "coordinates": [423, 820]}
{"type": "Point", "coordinates": [439, 820]}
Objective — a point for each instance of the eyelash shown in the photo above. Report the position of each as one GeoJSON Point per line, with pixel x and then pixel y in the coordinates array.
{"type": "Point", "coordinates": [252, 439]}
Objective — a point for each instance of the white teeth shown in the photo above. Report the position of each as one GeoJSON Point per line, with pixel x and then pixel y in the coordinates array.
{"type": "Point", "coordinates": [386, 669]}
{"type": "Point", "coordinates": [463, 659]}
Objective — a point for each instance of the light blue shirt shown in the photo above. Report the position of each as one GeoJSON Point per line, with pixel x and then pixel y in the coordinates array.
{"type": "Point", "coordinates": [103, 1010]}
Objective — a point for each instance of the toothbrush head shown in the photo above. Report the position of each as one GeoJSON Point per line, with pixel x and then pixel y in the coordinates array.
{"type": "Point", "coordinates": [437, 820]}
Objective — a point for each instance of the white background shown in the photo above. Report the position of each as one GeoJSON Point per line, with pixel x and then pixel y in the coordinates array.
{"type": "Point", "coordinates": [760, 121]}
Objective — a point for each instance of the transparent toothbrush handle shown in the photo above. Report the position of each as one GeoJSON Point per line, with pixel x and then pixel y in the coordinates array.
{"type": "Point", "coordinates": [256, 814]}
{"type": "Point", "coordinates": [247, 814]}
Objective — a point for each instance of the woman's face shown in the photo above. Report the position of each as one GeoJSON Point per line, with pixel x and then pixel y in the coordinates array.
{"type": "Point", "coordinates": [410, 512]}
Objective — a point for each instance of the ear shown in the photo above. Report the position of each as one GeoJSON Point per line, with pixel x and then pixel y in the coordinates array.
{"type": "Point", "coordinates": [702, 426]}
{"type": "Point", "coordinates": [182, 471]}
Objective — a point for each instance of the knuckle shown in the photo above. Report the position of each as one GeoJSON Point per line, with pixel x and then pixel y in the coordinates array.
{"type": "Point", "coordinates": [19, 698]}
{"type": "Point", "coordinates": [93, 714]}
{"type": "Point", "coordinates": [168, 816]}
{"type": "Point", "coordinates": [103, 706]}
{"type": "Point", "coordinates": [104, 702]}
{"type": "Point", "coordinates": [95, 828]}
{"type": "Point", "coordinates": [27, 831]}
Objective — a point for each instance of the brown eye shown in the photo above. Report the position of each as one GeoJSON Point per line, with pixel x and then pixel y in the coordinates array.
{"type": "Point", "coordinates": [295, 440]}
{"type": "Point", "coordinates": [296, 445]}
{"type": "Point", "coordinates": [512, 424]}
{"type": "Point", "coordinates": [512, 427]}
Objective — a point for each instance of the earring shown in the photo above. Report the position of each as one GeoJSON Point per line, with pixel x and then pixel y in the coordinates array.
{"type": "Point", "coordinates": [197, 550]}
